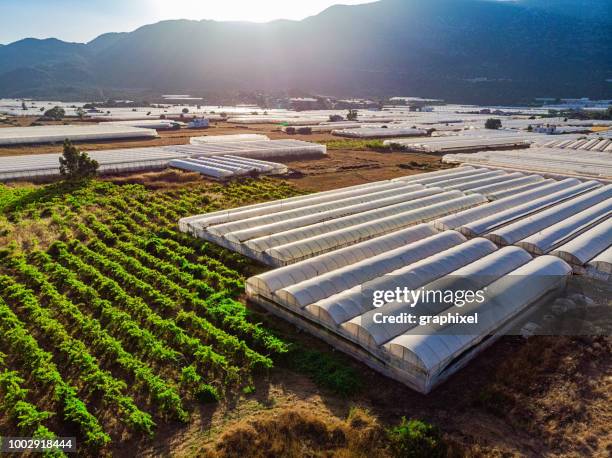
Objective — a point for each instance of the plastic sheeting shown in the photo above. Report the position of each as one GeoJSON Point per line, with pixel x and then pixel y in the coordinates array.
{"type": "Point", "coordinates": [555, 235]}
{"type": "Point", "coordinates": [474, 276]}
{"type": "Point", "coordinates": [228, 138]}
{"type": "Point", "coordinates": [473, 214]}
{"type": "Point", "coordinates": [414, 200]}
{"type": "Point", "coordinates": [325, 285]}
{"type": "Point", "coordinates": [361, 326]}
{"type": "Point", "coordinates": [433, 349]}
{"type": "Point", "coordinates": [346, 305]}
{"type": "Point", "coordinates": [302, 249]}
{"type": "Point", "coordinates": [492, 222]}
{"type": "Point", "coordinates": [588, 245]}
{"type": "Point", "coordinates": [512, 233]}
{"type": "Point", "coordinates": [372, 132]}
{"type": "Point", "coordinates": [274, 280]}
{"type": "Point", "coordinates": [545, 160]}
{"type": "Point", "coordinates": [58, 133]}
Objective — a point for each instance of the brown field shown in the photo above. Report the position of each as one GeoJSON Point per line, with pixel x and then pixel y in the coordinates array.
{"type": "Point", "coordinates": [549, 396]}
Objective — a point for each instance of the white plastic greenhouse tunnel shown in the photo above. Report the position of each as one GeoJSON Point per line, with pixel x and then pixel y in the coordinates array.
{"type": "Point", "coordinates": [238, 155]}
{"type": "Point", "coordinates": [445, 229]}
{"type": "Point", "coordinates": [57, 134]}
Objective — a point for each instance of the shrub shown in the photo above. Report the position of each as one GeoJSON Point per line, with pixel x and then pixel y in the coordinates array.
{"type": "Point", "coordinates": [416, 439]}
{"type": "Point", "coordinates": [326, 371]}
{"type": "Point", "coordinates": [55, 113]}
{"type": "Point", "coordinates": [351, 115]}
{"type": "Point", "coordinates": [493, 123]}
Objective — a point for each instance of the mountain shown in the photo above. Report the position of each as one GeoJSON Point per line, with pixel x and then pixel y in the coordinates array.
{"type": "Point", "coordinates": [460, 50]}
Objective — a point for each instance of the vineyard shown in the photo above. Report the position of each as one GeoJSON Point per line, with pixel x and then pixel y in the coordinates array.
{"type": "Point", "coordinates": [112, 322]}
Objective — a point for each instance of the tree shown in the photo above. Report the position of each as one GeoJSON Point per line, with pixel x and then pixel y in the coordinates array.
{"type": "Point", "coordinates": [351, 115]}
{"type": "Point", "coordinates": [76, 165]}
{"type": "Point", "coordinates": [55, 113]}
{"type": "Point", "coordinates": [80, 113]}
{"type": "Point", "coordinates": [493, 123]}
{"type": "Point", "coordinates": [24, 106]}
{"type": "Point", "coordinates": [335, 118]}
{"type": "Point", "coordinates": [185, 110]}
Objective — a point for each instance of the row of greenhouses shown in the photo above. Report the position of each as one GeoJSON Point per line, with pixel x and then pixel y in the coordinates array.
{"type": "Point", "coordinates": [451, 144]}
{"type": "Point", "coordinates": [591, 143]}
{"type": "Point", "coordinates": [380, 132]}
{"type": "Point", "coordinates": [468, 199]}
{"type": "Point", "coordinates": [542, 160]}
{"type": "Point", "coordinates": [228, 166]}
{"type": "Point", "coordinates": [82, 132]}
{"type": "Point", "coordinates": [327, 295]}
{"type": "Point", "coordinates": [256, 149]}
{"type": "Point", "coordinates": [428, 231]}
{"type": "Point", "coordinates": [151, 158]}
{"type": "Point", "coordinates": [227, 138]}
{"type": "Point", "coordinates": [36, 166]}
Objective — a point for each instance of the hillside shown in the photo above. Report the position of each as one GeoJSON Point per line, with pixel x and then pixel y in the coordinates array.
{"type": "Point", "coordinates": [460, 50]}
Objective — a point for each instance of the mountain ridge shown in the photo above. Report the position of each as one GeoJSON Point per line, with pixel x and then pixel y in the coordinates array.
{"type": "Point", "coordinates": [460, 50]}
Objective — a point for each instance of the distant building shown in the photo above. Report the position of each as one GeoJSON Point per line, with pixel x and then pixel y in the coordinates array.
{"type": "Point", "coordinates": [304, 103]}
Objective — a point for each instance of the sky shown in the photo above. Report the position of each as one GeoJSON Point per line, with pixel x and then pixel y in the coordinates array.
{"type": "Point", "coordinates": [83, 20]}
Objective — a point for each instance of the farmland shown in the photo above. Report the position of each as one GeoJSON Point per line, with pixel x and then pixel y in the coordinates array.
{"type": "Point", "coordinates": [98, 293]}
{"type": "Point", "coordinates": [116, 328]}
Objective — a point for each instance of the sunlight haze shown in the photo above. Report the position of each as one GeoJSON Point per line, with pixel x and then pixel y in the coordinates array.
{"type": "Point", "coordinates": [43, 19]}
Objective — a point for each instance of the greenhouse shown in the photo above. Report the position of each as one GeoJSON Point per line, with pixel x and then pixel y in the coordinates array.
{"type": "Point", "coordinates": [344, 307]}
{"type": "Point", "coordinates": [327, 284]}
{"type": "Point", "coordinates": [542, 160]}
{"type": "Point", "coordinates": [498, 195]}
{"type": "Point", "coordinates": [514, 232]}
{"type": "Point", "coordinates": [460, 219]}
{"type": "Point", "coordinates": [294, 219]}
{"type": "Point", "coordinates": [197, 223]}
{"type": "Point", "coordinates": [224, 167]}
{"type": "Point", "coordinates": [516, 184]}
{"type": "Point", "coordinates": [498, 219]}
{"type": "Point", "coordinates": [378, 132]}
{"type": "Point", "coordinates": [76, 133]}
{"type": "Point", "coordinates": [228, 138]}
{"type": "Point", "coordinates": [553, 236]}
{"type": "Point", "coordinates": [355, 214]}
{"type": "Point", "coordinates": [311, 246]}
{"type": "Point", "coordinates": [274, 280]}
{"type": "Point", "coordinates": [587, 245]}
{"type": "Point", "coordinates": [475, 268]}
{"type": "Point", "coordinates": [602, 263]}
{"type": "Point", "coordinates": [111, 161]}
{"type": "Point", "coordinates": [150, 158]}
{"type": "Point", "coordinates": [452, 144]}
{"type": "Point", "coordinates": [587, 144]}
{"type": "Point", "coordinates": [431, 355]}
{"type": "Point", "coordinates": [333, 248]}
{"type": "Point", "coordinates": [259, 149]}
{"type": "Point", "coordinates": [158, 124]}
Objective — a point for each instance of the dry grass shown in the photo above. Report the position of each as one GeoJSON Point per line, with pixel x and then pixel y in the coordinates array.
{"type": "Point", "coordinates": [300, 432]}
{"type": "Point", "coordinates": [166, 179]}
